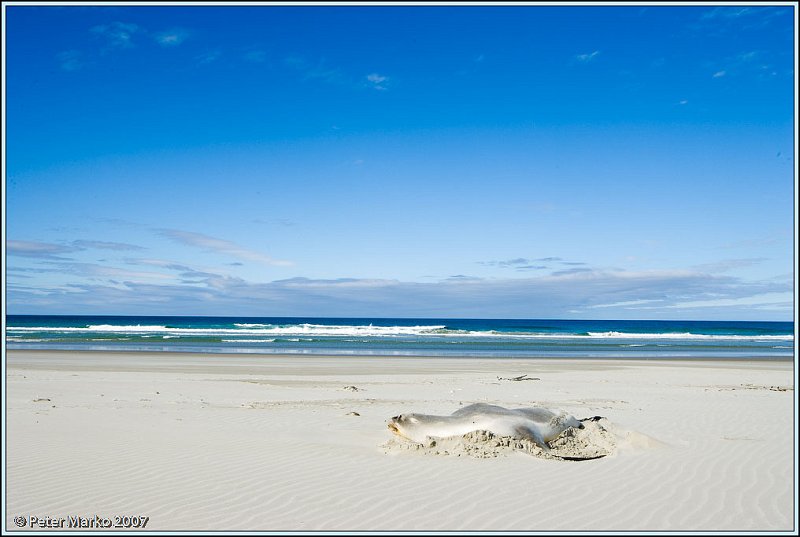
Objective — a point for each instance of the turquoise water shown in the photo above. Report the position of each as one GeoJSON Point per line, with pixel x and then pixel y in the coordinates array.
{"type": "Point", "coordinates": [420, 337]}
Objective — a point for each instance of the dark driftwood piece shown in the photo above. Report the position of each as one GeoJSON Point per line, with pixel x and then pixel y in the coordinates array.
{"type": "Point", "coordinates": [521, 377]}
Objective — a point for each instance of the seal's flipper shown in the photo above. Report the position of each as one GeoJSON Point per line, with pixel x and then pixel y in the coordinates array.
{"type": "Point", "coordinates": [532, 434]}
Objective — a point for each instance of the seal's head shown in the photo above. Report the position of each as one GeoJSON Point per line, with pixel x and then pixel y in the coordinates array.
{"type": "Point", "coordinates": [401, 424]}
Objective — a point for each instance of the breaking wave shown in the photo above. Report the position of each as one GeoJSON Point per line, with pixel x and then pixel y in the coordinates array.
{"type": "Point", "coordinates": [421, 331]}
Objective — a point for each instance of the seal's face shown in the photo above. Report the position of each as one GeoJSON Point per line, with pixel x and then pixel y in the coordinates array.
{"type": "Point", "coordinates": [400, 424]}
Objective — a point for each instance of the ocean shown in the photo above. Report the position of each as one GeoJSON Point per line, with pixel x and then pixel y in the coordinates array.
{"type": "Point", "coordinates": [407, 337]}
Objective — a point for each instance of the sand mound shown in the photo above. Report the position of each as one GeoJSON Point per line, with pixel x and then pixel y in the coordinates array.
{"type": "Point", "coordinates": [592, 442]}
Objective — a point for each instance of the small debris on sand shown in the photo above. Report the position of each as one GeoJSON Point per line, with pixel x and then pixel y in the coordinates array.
{"type": "Point", "coordinates": [519, 378]}
{"type": "Point", "coordinates": [749, 386]}
{"type": "Point", "coordinates": [351, 389]}
{"type": "Point", "coordinates": [352, 414]}
{"type": "Point", "coordinates": [41, 400]}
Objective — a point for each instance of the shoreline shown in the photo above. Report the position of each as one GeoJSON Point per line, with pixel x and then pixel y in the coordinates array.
{"type": "Point", "coordinates": [300, 443]}
{"type": "Point", "coordinates": [399, 356]}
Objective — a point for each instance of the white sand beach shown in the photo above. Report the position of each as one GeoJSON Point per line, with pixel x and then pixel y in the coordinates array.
{"type": "Point", "coordinates": [272, 442]}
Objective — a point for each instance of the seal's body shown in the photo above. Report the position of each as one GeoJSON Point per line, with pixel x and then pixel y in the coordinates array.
{"type": "Point", "coordinates": [536, 424]}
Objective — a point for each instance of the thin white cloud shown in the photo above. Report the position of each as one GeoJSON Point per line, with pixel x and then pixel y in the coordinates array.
{"type": "Point", "coordinates": [285, 222]}
{"type": "Point", "coordinates": [92, 271]}
{"type": "Point", "coordinates": [117, 34]}
{"type": "Point", "coordinates": [340, 283]}
{"type": "Point", "coordinates": [728, 264]}
{"type": "Point", "coordinates": [171, 38]}
{"type": "Point", "coordinates": [523, 264]}
{"type": "Point", "coordinates": [320, 70]}
{"type": "Point", "coordinates": [519, 263]}
{"type": "Point", "coordinates": [614, 293]}
{"type": "Point", "coordinates": [213, 244]}
{"type": "Point", "coordinates": [627, 304]}
{"type": "Point", "coordinates": [747, 56]}
{"type": "Point", "coordinates": [759, 242]}
{"type": "Point", "coordinates": [70, 60]}
{"type": "Point", "coordinates": [45, 250]}
{"type": "Point", "coordinates": [160, 263]}
{"type": "Point", "coordinates": [753, 63]}
{"type": "Point", "coordinates": [208, 57]}
{"type": "Point", "coordinates": [778, 300]}
{"type": "Point", "coordinates": [587, 57]}
{"type": "Point", "coordinates": [317, 71]}
{"type": "Point", "coordinates": [105, 245]}
{"type": "Point", "coordinates": [727, 12]}
{"type": "Point", "coordinates": [41, 250]}
{"type": "Point", "coordinates": [255, 56]}
{"type": "Point", "coordinates": [733, 13]}
{"type": "Point", "coordinates": [377, 81]}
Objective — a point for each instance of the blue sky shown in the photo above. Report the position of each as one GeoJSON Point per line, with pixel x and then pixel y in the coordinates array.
{"type": "Point", "coordinates": [567, 161]}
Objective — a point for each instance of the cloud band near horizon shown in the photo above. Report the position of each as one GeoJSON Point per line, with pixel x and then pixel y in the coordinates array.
{"type": "Point", "coordinates": [585, 294]}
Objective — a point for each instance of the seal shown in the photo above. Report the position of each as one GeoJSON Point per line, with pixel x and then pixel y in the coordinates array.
{"type": "Point", "coordinates": [537, 424]}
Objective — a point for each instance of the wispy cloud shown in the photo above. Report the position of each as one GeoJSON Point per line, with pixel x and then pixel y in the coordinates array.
{"type": "Point", "coordinates": [753, 63]}
{"type": "Point", "coordinates": [763, 300]}
{"type": "Point", "coordinates": [587, 57]}
{"type": "Point", "coordinates": [463, 278]}
{"type": "Point", "coordinates": [285, 222]}
{"type": "Point", "coordinates": [208, 57]}
{"type": "Point", "coordinates": [724, 19]}
{"type": "Point", "coordinates": [104, 271]}
{"type": "Point", "coordinates": [41, 250]}
{"type": "Point", "coordinates": [377, 81]}
{"type": "Point", "coordinates": [748, 56]}
{"type": "Point", "coordinates": [120, 35]}
{"type": "Point", "coordinates": [626, 304]}
{"type": "Point", "coordinates": [45, 250]}
{"type": "Point", "coordinates": [727, 12]}
{"type": "Point", "coordinates": [160, 263]}
{"type": "Point", "coordinates": [186, 274]}
{"type": "Point", "coordinates": [92, 271]}
{"type": "Point", "coordinates": [105, 245]}
{"type": "Point", "coordinates": [759, 242]}
{"type": "Point", "coordinates": [753, 14]}
{"type": "Point", "coordinates": [337, 283]}
{"type": "Point", "coordinates": [729, 264]}
{"type": "Point", "coordinates": [213, 244]}
{"type": "Point", "coordinates": [524, 263]}
{"type": "Point", "coordinates": [255, 56]}
{"type": "Point", "coordinates": [317, 71]}
{"type": "Point", "coordinates": [519, 263]}
{"type": "Point", "coordinates": [571, 271]}
{"type": "Point", "coordinates": [320, 70]}
{"type": "Point", "coordinates": [70, 60]}
{"type": "Point", "coordinates": [117, 34]}
{"type": "Point", "coordinates": [616, 293]}
{"type": "Point", "coordinates": [171, 38]}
